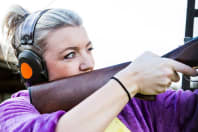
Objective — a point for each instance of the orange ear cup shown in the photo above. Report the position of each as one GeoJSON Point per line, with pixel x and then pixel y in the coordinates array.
{"type": "Point", "coordinates": [26, 70]}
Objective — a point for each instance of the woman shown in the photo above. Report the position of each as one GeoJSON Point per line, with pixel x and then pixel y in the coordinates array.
{"type": "Point", "coordinates": [61, 40]}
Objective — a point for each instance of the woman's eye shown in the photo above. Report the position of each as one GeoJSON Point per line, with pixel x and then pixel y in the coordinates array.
{"type": "Point", "coordinates": [70, 55]}
{"type": "Point", "coordinates": [90, 49]}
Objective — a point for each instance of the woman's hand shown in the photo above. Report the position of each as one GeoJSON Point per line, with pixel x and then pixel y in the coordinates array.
{"type": "Point", "coordinates": [150, 74]}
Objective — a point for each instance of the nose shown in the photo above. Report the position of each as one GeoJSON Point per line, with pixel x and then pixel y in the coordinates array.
{"type": "Point", "coordinates": [87, 63]}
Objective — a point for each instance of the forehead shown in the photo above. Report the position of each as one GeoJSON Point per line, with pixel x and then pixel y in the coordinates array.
{"type": "Point", "coordinates": [66, 37]}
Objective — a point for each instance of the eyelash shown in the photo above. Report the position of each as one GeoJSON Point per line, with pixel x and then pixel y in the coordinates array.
{"type": "Point", "coordinates": [90, 49]}
{"type": "Point", "coordinates": [67, 56]}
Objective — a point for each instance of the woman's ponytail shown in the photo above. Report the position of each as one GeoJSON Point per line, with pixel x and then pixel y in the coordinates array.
{"type": "Point", "coordinates": [11, 26]}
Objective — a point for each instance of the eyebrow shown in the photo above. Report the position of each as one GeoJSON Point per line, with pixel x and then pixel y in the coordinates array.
{"type": "Point", "coordinates": [74, 48]}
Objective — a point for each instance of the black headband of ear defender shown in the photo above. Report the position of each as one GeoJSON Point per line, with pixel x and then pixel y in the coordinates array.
{"type": "Point", "coordinates": [32, 67]}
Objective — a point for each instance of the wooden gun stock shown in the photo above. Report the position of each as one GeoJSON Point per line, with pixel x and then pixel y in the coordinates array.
{"type": "Point", "coordinates": [65, 93]}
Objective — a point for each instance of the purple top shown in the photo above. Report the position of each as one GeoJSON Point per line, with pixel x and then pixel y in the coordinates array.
{"type": "Point", "coordinates": [173, 111]}
{"type": "Point", "coordinates": [18, 115]}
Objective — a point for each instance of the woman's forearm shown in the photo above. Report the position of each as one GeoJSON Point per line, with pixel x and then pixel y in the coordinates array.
{"type": "Point", "coordinates": [97, 111]}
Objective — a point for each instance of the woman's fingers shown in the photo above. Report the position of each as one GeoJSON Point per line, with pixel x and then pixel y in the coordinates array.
{"type": "Point", "coordinates": [174, 75]}
{"type": "Point", "coordinates": [161, 89]}
{"type": "Point", "coordinates": [180, 67]}
{"type": "Point", "coordinates": [152, 74]}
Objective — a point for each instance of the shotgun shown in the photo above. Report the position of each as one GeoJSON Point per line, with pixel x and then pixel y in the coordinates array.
{"type": "Point", "coordinates": [64, 94]}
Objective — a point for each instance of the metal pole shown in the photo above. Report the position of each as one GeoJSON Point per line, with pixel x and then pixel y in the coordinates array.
{"type": "Point", "coordinates": [190, 14]}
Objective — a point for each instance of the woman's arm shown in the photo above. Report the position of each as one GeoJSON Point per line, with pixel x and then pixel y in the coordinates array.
{"type": "Point", "coordinates": [148, 75]}
{"type": "Point", "coordinates": [97, 111]}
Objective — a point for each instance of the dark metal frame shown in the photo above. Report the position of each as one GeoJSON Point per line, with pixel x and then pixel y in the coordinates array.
{"type": "Point", "coordinates": [191, 13]}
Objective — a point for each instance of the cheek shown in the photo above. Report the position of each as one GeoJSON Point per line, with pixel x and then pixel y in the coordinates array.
{"type": "Point", "coordinates": [93, 61]}
{"type": "Point", "coordinates": [57, 70]}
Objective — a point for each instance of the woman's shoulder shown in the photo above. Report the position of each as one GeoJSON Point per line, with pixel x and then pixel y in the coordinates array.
{"type": "Point", "coordinates": [21, 97]}
{"type": "Point", "coordinates": [21, 93]}
{"type": "Point", "coordinates": [17, 104]}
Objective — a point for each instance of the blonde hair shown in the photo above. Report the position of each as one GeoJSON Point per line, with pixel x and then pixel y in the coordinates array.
{"type": "Point", "coordinates": [51, 20]}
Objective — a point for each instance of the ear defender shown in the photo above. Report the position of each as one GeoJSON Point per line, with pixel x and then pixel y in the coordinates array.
{"type": "Point", "coordinates": [32, 67]}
